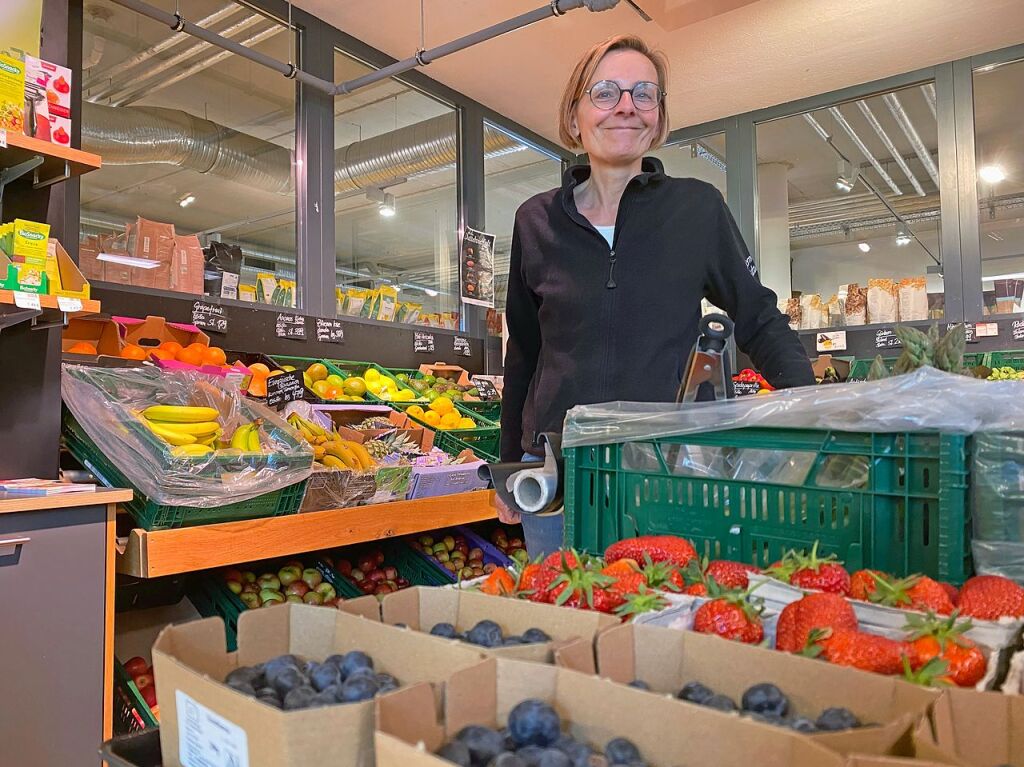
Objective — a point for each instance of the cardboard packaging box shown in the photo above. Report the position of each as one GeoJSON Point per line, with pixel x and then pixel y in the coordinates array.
{"type": "Point", "coordinates": [667, 659]}
{"type": "Point", "coordinates": [152, 241]}
{"type": "Point", "coordinates": [153, 331]}
{"type": "Point", "coordinates": [88, 259]}
{"type": "Point", "coordinates": [101, 333]}
{"type": "Point", "coordinates": [68, 279]}
{"type": "Point", "coordinates": [573, 631]}
{"type": "Point", "coordinates": [668, 732]}
{"type": "Point", "coordinates": [187, 265]}
{"type": "Point", "coordinates": [48, 101]}
{"type": "Point", "coordinates": [200, 715]}
{"type": "Point", "coordinates": [973, 729]}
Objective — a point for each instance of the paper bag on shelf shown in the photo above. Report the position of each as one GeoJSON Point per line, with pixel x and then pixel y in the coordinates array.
{"type": "Point", "coordinates": [913, 299]}
{"type": "Point", "coordinates": [836, 312]}
{"type": "Point", "coordinates": [855, 304]}
{"type": "Point", "coordinates": [791, 308]}
{"type": "Point", "coordinates": [814, 313]}
{"type": "Point", "coordinates": [883, 301]}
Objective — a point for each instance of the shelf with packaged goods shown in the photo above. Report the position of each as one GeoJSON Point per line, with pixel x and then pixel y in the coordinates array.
{"type": "Point", "coordinates": [151, 554]}
{"type": "Point", "coordinates": [50, 313]}
{"type": "Point", "coordinates": [59, 163]}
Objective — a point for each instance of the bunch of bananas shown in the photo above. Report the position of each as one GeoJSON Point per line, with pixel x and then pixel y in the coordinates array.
{"type": "Point", "coordinates": [1005, 374]}
{"type": "Point", "coordinates": [247, 437]}
{"type": "Point", "coordinates": [330, 449]}
{"type": "Point", "coordinates": [192, 431]}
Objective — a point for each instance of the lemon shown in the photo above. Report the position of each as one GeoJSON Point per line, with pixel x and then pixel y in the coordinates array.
{"type": "Point", "coordinates": [450, 421]}
{"type": "Point", "coordinates": [442, 405]}
{"type": "Point", "coordinates": [371, 375]}
{"type": "Point", "coordinates": [466, 423]}
{"type": "Point", "coordinates": [404, 395]}
{"type": "Point", "coordinates": [415, 411]}
{"type": "Point", "coordinates": [390, 383]}
{"type": "Point", "coordinates": [431, 418]}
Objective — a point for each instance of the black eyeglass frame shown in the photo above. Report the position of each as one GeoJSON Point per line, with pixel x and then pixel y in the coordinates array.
{"type": "Point", "coordinates": [658, 90]}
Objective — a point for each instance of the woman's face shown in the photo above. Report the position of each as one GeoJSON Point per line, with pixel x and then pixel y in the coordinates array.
{"type": "Point", "coordinates": [621, 135]}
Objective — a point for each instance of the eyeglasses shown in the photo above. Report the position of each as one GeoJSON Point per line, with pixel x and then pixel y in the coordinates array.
{"type": "Point", "coordinates": [607, 94]}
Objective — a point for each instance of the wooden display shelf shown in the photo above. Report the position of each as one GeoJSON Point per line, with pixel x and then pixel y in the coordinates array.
{"type": "Point", "coordinates": [150, 554]}
{"type": "Point", "coordinates": [59, 162]}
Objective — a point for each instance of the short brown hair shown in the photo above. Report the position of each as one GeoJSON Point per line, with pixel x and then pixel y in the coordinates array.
{"type": "Point", "coordinates": [584, 70]}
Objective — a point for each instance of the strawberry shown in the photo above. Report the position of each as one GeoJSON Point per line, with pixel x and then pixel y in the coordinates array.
{"type": "Point", "coordinates": [580, 587]}
{"type": "Point", "coordinates": [811, 572]}
{"type": "Point", "coordinates": [627, 578]}
{"type": "Point", "coordinates": [731, 575]}
{"type": "Point", "coordinates": [645, 600]}
{"type": "Point", "coordinates": [660, 548]}
{"type": "Point", "coordinates": [863, 584]}
{"type": "Point", "coordinates": [918, 592]}
{"type": "Point", "coordinates": [814, 611]}
{"type": "Point", "coordinates": [991, 597]}
{"type": "Point", "coordinates": [663, 575]}
{"type": "Point", "coordinates": [696, 590]}
{"type": "Point", "coordinates": [868, 652]}
{"type": "Point", "coordinates": [952, 591]}
{"type": "Point", "coordinates": [729, 614]}
{"type": "Point", "coordinates": [931, 638]}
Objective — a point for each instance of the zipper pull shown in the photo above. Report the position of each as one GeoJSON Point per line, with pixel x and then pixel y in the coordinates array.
{"type": "Point", "coordinates": [611, 285]}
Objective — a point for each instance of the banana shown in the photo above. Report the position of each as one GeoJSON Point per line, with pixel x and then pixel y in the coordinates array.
{"type": "Point", "coordinates": [254, 438]}
{"type": "Point", "coordinates": [333, 463]}
{"type": "Point", "coordinates": [339, 450]}
{"type": "Point", "coordinates": [191, 450]}
{"type": "Point", "coordinates": [210, 439]}
{"type": "Point", "coordinates": [319, 453]}
{"type": "Point", "coordinates": [312, 426]}
{"type": "Point", "coordinates": [361, 454]}
{"type": "Point", "coordinates": [297, 424]}
{"type": "Point", "coordinates": [170, 435]}
{"type": "Point", "coordinates": [240, 439]}
{"type": "Point", "coordinates": [180, 413]}
{"type": "Point", "coordinates": [201, 429]}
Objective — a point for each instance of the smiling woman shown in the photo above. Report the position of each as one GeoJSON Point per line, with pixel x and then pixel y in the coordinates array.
{"type": "Point", "coordinates": [572, 311]}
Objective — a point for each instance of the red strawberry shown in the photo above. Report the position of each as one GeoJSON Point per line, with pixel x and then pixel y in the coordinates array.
{"type": "Point", "coordinates": [645, 600]}
{"type": "Point", "coordinates": [868, 652]}
{"type": "Point", "coordinates": [863, 585]}
{"type": "Point", "coordinates": [990, 597]}
{"type": "Point", "coordinates": [918, 592]}
{"type": "Point", "coordinates": [811, 572]}
{"type": "Point", "coordinates": [952, 591]}
{"type": "Point", "coordinates": [580, 587]}
{"type": "Point", "coordinates": [729, 614]}
{"type": "Point", "coordinates": [814, 611]}
{"type": "Point", "coordinates": [730, 575]}
{"type": "Point", "coordinates": [660, 548]}
{"type": "Point", "coordinates": [696, 590]}
{"type": "Point", "coordinates": [931, 638]}
{"type": "Point", "coordinates": [662, 575]}
{"type": "Point", "coordinates": [626, 577]}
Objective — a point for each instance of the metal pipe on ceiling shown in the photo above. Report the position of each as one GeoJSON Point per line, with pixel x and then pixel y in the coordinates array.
{"type": "Point", "coordinates": [834, 111]}
{"type": "Point", "coordinates": [893, 151]}
{"type": "Point", "coordinates": [928, 89]}
{"type": "Point", "coordinates": [911, 133]}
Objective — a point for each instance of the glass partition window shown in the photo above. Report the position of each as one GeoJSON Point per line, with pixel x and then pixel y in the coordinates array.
{"type": "Point", "coordinates": [395, 202]}
{"type": "Point", "coordinates": [195, 141]}
{"type": "Point", "coordinates": [514, 171]}
{"type": "Point", "coordinates": [848, 225]}
{"type": "Point", "coordinates": [999, 142]}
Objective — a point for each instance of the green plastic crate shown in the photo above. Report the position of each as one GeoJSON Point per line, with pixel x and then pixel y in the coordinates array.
{"type": "Point", "coordinates": [908, 515]}
{"type": "Point", "coordinates": [490, 411]}
{"type": "Point", "coordinates": [485, 440]}
{"type": "Point", "coordinates": [302, 363]}
{"type": "Point", "coordinates": [131, 714]}
{"type": "Point", "coordinates": [150, 515]}
{"type": "Point", "coordinates": [973, 359]}
{"type": "Point", "coordinates": [1014, 359]}
{"type": "Point", "coordinates": [347, 368]}
{"type": "Point", "coordinates": [859, 369]}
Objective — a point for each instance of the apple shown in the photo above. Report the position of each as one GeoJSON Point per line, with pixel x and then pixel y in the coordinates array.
{"type": "Point", "coordinates": [439, 547]}
{"type": "Point", "coordinates": [288, 575]}
{"type": "Point", "coordinates": [450, 567]}
{"type": "Point", "coordinates": [326, 591]}
{"type": "Point", "coordinates": [449, 542]}
{"type": "Point", "coordinates": [344, 567]}
{"type": "Point", "coordinates": [466, 572]}
{"type": "Point", "coordinates": [143, 680]}
{"type": "Point", "coordinates": [312, 577]}
{"type": "Point", "coordinates": [235, 587]}
{"type": "Point", "coordinates": [251, 588]}
{"type": "Point", "coordinates": [376, 576]}
{"type": "Point", "coordinates": [272, 602]}
{"type": "Point", "coordinates": [269, 581]}
{"type": "Point", "coordinates": [403, 583]}
{"type": "Point", "coordinates": [367, 586]}
{"type": "Point", "coordinates": [357, 575]}
{"type": "Point", "coordinates": [442, 556]}
{"type": "Point", "coordinates": [233, 574]}
{"type": "Point", "coordinates": [149, 695]}
{"type": "Point", "coordinates": [426, 540]}
{"type": "Point", "coordinates": [378, 555]}
{"type": "Point", "coordinates": [382, 588]}
{"type": "Point", "coordinates": [135, 666]}
{"type": "Point", "coordinates": [295, 563]}
{"type": "Point", "coordinates": [390, 573]}
{"type": "Point", "coordinates": [270, 595]}
{"type": "Point", "coordinates": [298, 588]}
{"type": "Point", "coordinates": [328, 559]}
{"type": "Point", "coordinates": [294, 598]}
{"type": "Point", "coordinates": [249, 577]}
{"type": "Point", "coordinates": [250, 599]}
{"type": "Point", "coordinates": [331, 603]}
{"type": "Point", "coordinates": [312, 598]}
{"type": "Point", "coordinates": [515, 543]}
{"type": "Point", "coordinates": [366, 563]}
{"type": "Point", "coordinates": [476, 554]}
{"type": "Point", "coordinates": [490, 567]}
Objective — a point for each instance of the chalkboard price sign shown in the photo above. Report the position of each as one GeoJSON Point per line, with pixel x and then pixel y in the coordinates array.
{"type": "Point", "coordinates": [1018, 330]}
{"type": "Point", "coordinates": [329, 331]}
{"type": "Point", "coordinates": [290, 326]}
{"type": "Point", "coordinates": [970, 328]}
{"type": "Point", "coordinates": [423, 343]}
{"type": "Point", "coordinates": [743, 388]}
{"type": "Point", "coordinates": [886, 338]}
{"type": "Point", "coordinates": [209, 317]}
{"type": "Point", "coordinates": [285, 387]}
{"type": "Point", "coordinates": [486, 388]}
{"type": "Point", "coordinates": [461, 347]}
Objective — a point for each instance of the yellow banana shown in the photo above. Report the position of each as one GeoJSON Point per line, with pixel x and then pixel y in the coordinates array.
{"type": "Point", "coordinates": [240, 439]}
{"type": "Point", "coordinates": [312, 426]}
{"type": "Point", "coordinates": [211, 439]}
{"type": "Point", "coordinates": [180, 413]}
{"type": "Point", "coordinates": [338, 450]}
{"type": "Point", "coordinates": [200, 429]}
{"type": "Point", "coordinates": [319, 452]}
{"type": "Point", "coordinates": [361, 454]}
{"type": "Point", "coordinates": [297, 424]}
{"type": "Point", "coordinates": [333, 463]}
{"type": "Point", "coordinates": [254, 438]}
{"type": "Point", "coordinates": [170, 435]}
{"type": "Point", "coordinates": [191, 450]}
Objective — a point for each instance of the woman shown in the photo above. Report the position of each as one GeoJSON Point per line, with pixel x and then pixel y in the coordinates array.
{"type": "Point", "coordinates": [607, 273]}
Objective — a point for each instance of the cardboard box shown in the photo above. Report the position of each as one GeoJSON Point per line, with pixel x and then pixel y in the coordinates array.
{"type": "Point", "coordinates": [101, 333]}
{"type": "Point", "coordinates": [842, 367]}
{"type": "Point", "coordinates": [449, 372]}
{"type": "Point", "coordinates": [668, 732]}
{"type": "Point", "coordinates": [153, 331]}
{"type": "Point", "coordinates": [88, 259]}
{"type": "Point", "coordinates": [152, 241]}
{"type": "Point", "coordinates": [187, 265]}
{"type": "Point", "coordinates": [72, 282]}
{"type": "Point", "coordinates": [573, 631]}
{"type": "Point", "coordinates": [343, 417]}
{"type": "Point", "coordinates": [668, 659]}
{"type": "Point", "coordinates": [973, 729]}
{"type": "Point", "coordinates": [197, 710]}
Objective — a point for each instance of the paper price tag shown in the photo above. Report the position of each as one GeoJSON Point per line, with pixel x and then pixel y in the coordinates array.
{"type": "Point", "coordinates": [290, 326]}
{"type": "Point", "coordinates": [329, 331]}
{"type": "Point", "coordinates": [26, 300]}
{"type": "Point", "coordinates": [69, 305]}
{"type": "Point", "coordinates": [209, 317]}
{"type": "Point", "coordinates": [3, 139]}
{"type": "Point", "coordinates": [286, 387]}
{"type": "Point", "coordinates": [206, 739]}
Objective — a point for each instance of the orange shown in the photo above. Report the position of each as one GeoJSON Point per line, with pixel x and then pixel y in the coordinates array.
{"type": "Point", "coordinates": [190, 356]}
{"type": "Point", "coordinates": [259, 367]}
{"type": "Point", "coordinates": [171, 346]}
{"type": "Point", "coordinates": [214, 355]}
{"type": "Point", "coordinates": [258, 387]}
{"type": "Point", "coordinates": [161, 354]}
{"type": "Point", "coordinates": [332, 392]}
{"type": "Point", "coordinates": [201, 348]}
{"type": "Point", "coordinates": [133, 352]}
{"type": "Point", "coordinates": [83, 347]}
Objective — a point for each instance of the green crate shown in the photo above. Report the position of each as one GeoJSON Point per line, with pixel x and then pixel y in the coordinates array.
{"type": "Point", "coordinates": [1014, 359]}
{"type": "Point", "coordinates": [485, 440]}
{"type": "Point", "coordinates": [302, 363]}
{"type": "Point", "coordinates": [489, 411]}
{"type": "Point", "coordinates": [859, 369]}
{"type": "Point", "coordinates": [973, 359]}
{"type": "Point", "coordinates": [131, 714]}
{"type": "Point", "coordinates": [909, 514]}
{"type": "Point", "coordinates": [150, 515]}
{"type": "Point", "coordinates": [346, 368]}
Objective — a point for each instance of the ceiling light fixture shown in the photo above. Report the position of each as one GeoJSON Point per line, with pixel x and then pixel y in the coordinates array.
{"type": "Point", "coordinates": [1011, 276]}
{"type": "Point", "coordinates": [387, 206]}
{"type": "Point", "coordinates": [187, 200]}
{"type": "Point", "coordinates": [141, 263]}
{"type": "Point", "coordinates": [991, 174]}
{"type": "Point", "coordinates": [430, 292]}
{"type": "Point", "coordinates": [863, 247]}
{"type": "Point", "coordinates": [846, 177]}
{"type": "Point", "coordinates": [902, 238]}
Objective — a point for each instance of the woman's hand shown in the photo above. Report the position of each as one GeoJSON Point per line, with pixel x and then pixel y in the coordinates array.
{"type": "Point", "coordinates": [505, 514]}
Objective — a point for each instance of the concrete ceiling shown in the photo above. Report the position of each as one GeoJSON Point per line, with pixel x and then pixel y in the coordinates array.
{"type": "Point", "coordinates": [745, 56]}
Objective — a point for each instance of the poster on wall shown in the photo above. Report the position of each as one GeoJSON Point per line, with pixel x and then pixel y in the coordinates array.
{"type": "Point", "coordinates": [476, 268]}
{"type": "Point", "coordinates": [20, 22]}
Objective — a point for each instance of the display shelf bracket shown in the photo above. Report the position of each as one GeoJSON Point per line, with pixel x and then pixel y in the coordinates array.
{"type": "Point", "coordinates": [12, 173]}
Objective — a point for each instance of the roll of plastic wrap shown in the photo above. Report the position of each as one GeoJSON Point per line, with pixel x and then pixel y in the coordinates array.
{"type": "Point", "coordinates": [534, 489]}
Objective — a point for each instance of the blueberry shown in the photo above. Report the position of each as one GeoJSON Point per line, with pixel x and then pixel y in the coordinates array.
{"type": "Point", "coordinates": [335, 660]}
{"type": "Point", "coordinates": [621, 751]}
{"type": "Point", "coordinates": [360, 688]}
{"type": "Point", "coordinates": [286, 680]}
{"type": "Point", "coordinates": [445, 630]}
{"type": "Point", "coordinates": [765, 698]}
{"type": "Point", "coordinates": [802, 724]}
{"type": "Point", "coordinates": [455, 752]}
{"type": "Point", "coordinates": [832, 719]}
{"type": "Point", "coordinates": [327, 696]}
{"type": "Point", "coordinates": [510, 745]}
{"type": "Point", "coordinates": [506, 759]}
{"type": "Point", "coordinates": [640, 684]}
{"type": "Point", "coordinates": [721, 702]}
{"type": "Point", "coordinates": [534, 723]}
{"type": "Point", "coordinates": [530, 755]}
{"type": "Point", "coordinates": [579, 753]}
{"type": "Point", "coordinates": [535, 636]}
{"type": "Point", "coordinates": [552, 757]}
{"type": "Point", "coordinates": [486, 634]}
{"type": "Point", "coordinates": [484, 743]}
{"type": "Point", "coordinates": [355, 660]}
{"type": "Point", "coordinates": [268, 696]}
{"type": "Point", "coordinates": [386, 683]}
{"type": "Point", "coordinates": [694, 692]}
{"type": "Point", "coordinates": [369, 673]}
{"type": "Point", "coordinates": [325, 675]}
{"type": "Point", "coordinates": [300, 697]}
{"type": "Point", "coordinates": [278, 666]}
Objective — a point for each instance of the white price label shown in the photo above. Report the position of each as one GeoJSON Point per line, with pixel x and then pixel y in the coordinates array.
{"type": "Point", "coordinates": [229, 285]}
{"type": "Point", "coordinates": [206, 739]}
{"type": "Point", "coordinates": [26, 300]}
{"type": "Point", "coordinates": [68, 304]}
{"type": "Point", "coordinates": [3, 139]}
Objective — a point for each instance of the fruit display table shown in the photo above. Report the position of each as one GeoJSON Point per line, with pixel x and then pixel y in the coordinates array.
{"type": "Point", "coordinates": [57, 560]}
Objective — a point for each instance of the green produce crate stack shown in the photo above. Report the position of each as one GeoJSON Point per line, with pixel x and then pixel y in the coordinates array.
{"type": "Point", "coordinates": [485, 440]}
{"type": "Point", "coordinates": [995, 360]}
{"type": "Point", "coordinates": [347, 368]}
{"type": "Point", "coordinates": [131, 714]}
{"type": "Point", "coordinates": [892, 502]}
{"type": "Point", "coordinates": [490, 411]}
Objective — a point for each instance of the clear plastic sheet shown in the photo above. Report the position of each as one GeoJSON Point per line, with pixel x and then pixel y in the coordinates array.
{"type": "Point", "coordinates": [997, 497]}
{"type": "Point", "coordinates": [106, 403]}
{"type": "Point", "coordinates": [925, 400]}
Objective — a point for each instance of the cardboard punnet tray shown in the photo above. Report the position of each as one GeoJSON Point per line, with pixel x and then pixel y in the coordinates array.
{"type": "Point", "coordinates": [668, 732]}
{"type": "Point", "coordinates": [973, 729]}
{"type": "Point", "coordinates": [667, 659]}
{"type": "Point", "coordinates": [200, 715]}
{"type": "Point", "coordinates": [573, 631]}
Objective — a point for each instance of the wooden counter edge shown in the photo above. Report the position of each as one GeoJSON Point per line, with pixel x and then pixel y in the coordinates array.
{"type": "Point", "coordinates": [11, 503]}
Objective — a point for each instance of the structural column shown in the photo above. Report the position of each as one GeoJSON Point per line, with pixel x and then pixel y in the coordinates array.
{"type": "Point", "coordinates": [773, 227]}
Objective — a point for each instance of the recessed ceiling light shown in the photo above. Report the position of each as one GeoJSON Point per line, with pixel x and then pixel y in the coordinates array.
{"type": "Point", "coordinates": [902, 238]}
{"type": "Point", "coordinates": [187, 200]}
{"type": "Point", "coordinates": [991, 174]}
{"type": "Point", "coordinates": [430, 292]}
{"type": "Point", "coordinates": [864, 247]}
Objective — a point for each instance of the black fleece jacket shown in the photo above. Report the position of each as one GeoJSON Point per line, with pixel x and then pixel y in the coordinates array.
{"type": "Point", "coordinates": [588, 323]}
